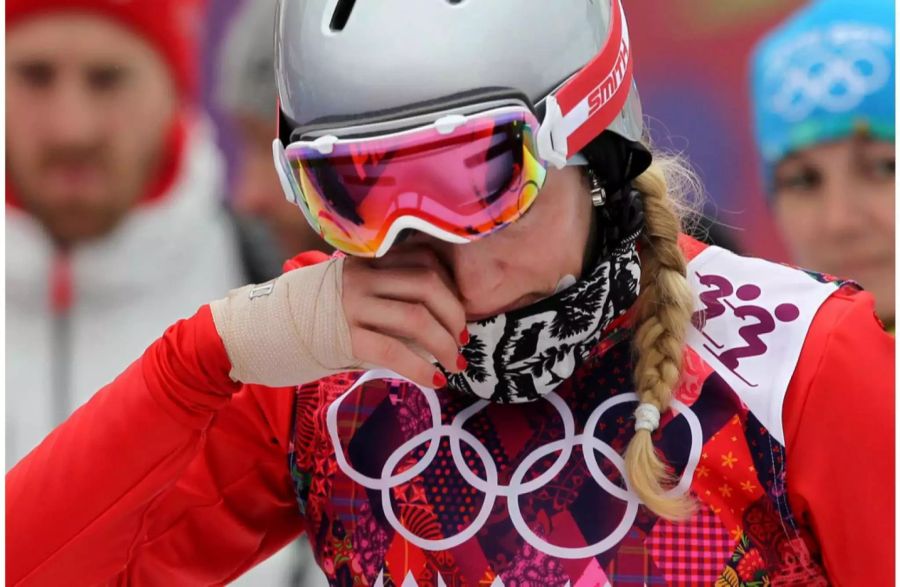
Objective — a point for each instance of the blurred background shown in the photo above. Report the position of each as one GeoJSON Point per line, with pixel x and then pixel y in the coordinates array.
{"type": "Point", "coordinates": [205, 180]}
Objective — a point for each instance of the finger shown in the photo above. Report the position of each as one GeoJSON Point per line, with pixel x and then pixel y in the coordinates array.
{"type": "Point", "coordinates": [451, 313]}
{"type": "Point", "coordinates": [415, 323]}
{"type": "Point", "coordinates": [417, 256]}
{"type": "Point", "coordinates": [423, 286]}
{"type": "Point", "coordinates": [384, 351]}
{"type": "Point", "coordinates": [414, 347]}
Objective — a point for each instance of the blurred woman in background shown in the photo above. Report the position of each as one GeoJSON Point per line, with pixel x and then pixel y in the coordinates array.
{"type": "Point", "coordinates": [823, 89]}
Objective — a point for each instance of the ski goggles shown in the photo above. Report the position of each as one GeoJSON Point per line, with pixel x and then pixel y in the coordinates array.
{"type": "Point", "coordinates": [459, 178]}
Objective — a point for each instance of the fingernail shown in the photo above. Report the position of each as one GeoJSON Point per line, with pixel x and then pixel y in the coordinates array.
{"type": "Point", "coordinates": [461, 363]}
{"type": "Point", "coordinates": [464, 337]}
{"type": "Point", "coordinates": [439, 380]}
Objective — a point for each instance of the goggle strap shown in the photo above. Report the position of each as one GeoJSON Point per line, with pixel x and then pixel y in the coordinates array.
{"type": "Point", "coordinates": [582, 108]}
{"type": "Point", "coordinates": [281, 167]}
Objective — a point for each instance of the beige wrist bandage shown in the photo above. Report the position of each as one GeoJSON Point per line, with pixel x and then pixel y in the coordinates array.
{"type": "Point", "coordinates": [289, 331]}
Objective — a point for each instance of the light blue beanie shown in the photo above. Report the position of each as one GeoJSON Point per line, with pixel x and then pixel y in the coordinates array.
{"type": "Point", "coordinates": [826, 73]}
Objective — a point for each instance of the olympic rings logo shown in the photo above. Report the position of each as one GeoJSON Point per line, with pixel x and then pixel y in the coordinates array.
{"type": "Point", "coordinates": [836, 79]}
{"type": "Point", "coordinates": [490, 486]}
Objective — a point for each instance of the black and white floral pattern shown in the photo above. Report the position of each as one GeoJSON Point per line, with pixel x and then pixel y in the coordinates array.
{"type": "Point", "coordinates": [522, 355]}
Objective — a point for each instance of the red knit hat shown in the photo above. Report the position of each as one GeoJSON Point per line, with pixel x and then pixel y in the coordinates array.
{"type": "Point", "coordinates": [171, 26]}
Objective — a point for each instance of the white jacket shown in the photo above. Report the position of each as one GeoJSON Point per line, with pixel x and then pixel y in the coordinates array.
{"type": "Point", "coordinates": [164, 261]}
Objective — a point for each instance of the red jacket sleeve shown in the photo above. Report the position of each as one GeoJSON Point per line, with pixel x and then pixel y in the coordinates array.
{"type": "Point", "coordinates": [839, 429]}
{"type": "Point", "coordinates": [171, 475]}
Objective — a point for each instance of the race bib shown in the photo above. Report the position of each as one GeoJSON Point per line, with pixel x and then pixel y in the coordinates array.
{"type": "Point", "coordinates": [750, 320]}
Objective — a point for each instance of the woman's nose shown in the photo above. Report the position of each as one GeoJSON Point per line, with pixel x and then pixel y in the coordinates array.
{"type": "Point", "coordinates": [477, 274]}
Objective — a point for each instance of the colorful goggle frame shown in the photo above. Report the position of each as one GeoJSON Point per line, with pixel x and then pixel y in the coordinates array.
{"type": "Point", "coordinates": [457, 179]}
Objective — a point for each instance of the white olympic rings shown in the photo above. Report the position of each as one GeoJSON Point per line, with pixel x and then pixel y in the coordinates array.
{"type": "Point", "coordinates": [835, 79]}
{"type": "Point", "coordinates": [490, 486]}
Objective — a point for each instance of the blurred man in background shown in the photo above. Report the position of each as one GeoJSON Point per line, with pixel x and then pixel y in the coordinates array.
{"type": "Point", "coordinates": [113, 219]}
{"type": "Point", "coordinates": [823, 86]}
{"type": "Point", "coordinates": [248, 96]}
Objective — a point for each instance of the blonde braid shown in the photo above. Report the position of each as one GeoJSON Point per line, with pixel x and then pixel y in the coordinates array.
{"type": "Point", "coordinates": [663, 314]}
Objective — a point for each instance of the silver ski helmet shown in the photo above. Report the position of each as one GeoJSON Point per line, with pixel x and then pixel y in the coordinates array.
{"type": "Point", "coordinates": [352, 67]}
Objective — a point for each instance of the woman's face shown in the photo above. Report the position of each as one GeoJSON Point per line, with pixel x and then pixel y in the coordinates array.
{"type": "Point", "coordinates": [525, 261]}
{"type": "Point", "coordinates": [834, 204]}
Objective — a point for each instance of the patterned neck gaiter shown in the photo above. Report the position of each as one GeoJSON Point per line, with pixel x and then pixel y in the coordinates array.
{"type": "Point", "coordinates": [522, 355]}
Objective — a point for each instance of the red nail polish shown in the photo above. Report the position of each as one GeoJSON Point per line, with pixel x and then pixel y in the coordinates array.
{"type": "Point", "coordinates": [461, 363]}
{"type": "Point", "coordinates": [439, 380]}
{"type": "Point", "coordinates": [464, 337]}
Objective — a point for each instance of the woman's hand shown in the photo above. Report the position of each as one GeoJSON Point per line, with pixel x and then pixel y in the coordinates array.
{"type": "Point", "coordinates": [342, 315]}
{"type": "Point", "coordinates": [404, 312]}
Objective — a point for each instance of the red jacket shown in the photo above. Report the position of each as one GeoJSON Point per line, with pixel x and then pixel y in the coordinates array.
{"type": "Point", "coordinates": [175, 475]}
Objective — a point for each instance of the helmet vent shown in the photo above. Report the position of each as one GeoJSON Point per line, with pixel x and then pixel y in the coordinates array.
{"type": "Point", "coordinates": [341, 14]}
